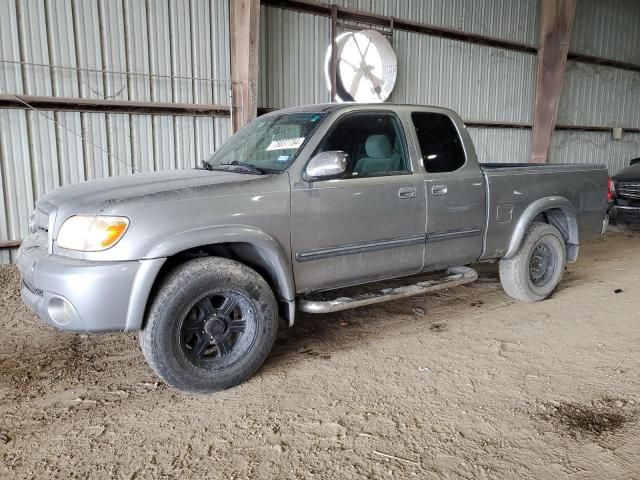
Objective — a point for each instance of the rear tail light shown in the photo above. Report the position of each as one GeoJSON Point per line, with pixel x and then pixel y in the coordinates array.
{"type": "Point", "coordinates": [611, 190]}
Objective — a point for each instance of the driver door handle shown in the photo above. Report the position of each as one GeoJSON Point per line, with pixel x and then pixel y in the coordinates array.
{"type": "Point", "coordinates": [407, 192]}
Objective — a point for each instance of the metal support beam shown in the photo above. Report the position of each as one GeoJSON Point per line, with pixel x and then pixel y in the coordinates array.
{"type": "Point", "coordinates": [359, 16]}
{"type": "Point", "coordinates": [110, 106]}
{"type": "Point", "coordinates": [245, 34]}
{"type": "Point", "coordinates": [556, 21]}
{"type": "Point", "coordinates": [9, 244]}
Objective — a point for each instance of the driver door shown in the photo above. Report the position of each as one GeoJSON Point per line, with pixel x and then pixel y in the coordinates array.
{"type": "Point", "coordinates": [370, 223]}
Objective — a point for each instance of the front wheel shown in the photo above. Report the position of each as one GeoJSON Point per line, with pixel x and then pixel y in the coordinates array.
{"type": "Point", "coordinates": [535, 271]}
{"type": "Point", "coordinates": [211, 325]}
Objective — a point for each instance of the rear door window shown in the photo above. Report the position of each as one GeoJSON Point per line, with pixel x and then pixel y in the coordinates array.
{"type": "Point", "coordinates": [439, 141]}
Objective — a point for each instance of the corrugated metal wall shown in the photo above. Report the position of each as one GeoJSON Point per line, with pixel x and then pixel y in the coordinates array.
{"type": "Point", "coordinates": [292, 52]}
{"type": "Point", "coordinates": [501, 145]}
{"type": "Point", "coordinates": [168, 51]}
{"type": "Point", "coordinates": [154, 50]}
{"type": "Point", "coordinates": [482, 83]}
{"type": "Point", "coordinates": [595, 148]}
{"type": "Point", "coordinates": [596, 95]}
{"type": "Point", "coordinates": [607, 29]}
{"type": "Point", "coordinates": [483, 17]}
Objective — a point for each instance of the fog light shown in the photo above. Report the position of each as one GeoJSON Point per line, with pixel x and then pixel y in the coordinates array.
{"type": "Point", "coordinates": [61, 311]}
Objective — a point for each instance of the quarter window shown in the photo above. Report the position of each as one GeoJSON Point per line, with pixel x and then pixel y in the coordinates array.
{"type": "Point", "coordinates": [374, 142]}
{"type": "Point", "coordinates": [439, 142]}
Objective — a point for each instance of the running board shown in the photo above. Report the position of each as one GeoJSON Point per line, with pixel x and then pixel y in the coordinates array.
{"type": "Point", "coordinates": [455, 276]}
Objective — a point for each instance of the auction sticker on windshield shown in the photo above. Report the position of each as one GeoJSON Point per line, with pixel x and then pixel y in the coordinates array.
{"type": "Point", "coordinates": [286, 144]}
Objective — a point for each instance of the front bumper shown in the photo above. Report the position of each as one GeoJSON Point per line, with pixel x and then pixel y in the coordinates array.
{"type": "Point", "coordinates": [83, 296]}
{"type": "Point", "coordinates": [625, 213]}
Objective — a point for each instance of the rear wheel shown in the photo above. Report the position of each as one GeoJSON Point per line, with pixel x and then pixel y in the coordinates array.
{"type": "Point", "coordinates": [211, 325]}
{"type": "Point", "coordinates": [535, 271]}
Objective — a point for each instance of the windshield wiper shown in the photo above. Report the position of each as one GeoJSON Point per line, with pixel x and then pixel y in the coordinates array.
{"type": "Point", "coordinates": [240, 167]}
{"type": "Point", "coordinates": [246, 166]}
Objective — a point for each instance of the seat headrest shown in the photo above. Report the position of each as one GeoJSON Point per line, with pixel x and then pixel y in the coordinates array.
{"type": "Point", "coordinates": [378, 146]}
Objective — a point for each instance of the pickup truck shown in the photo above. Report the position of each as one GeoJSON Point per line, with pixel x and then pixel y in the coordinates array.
{"type": "Point", "coordinates": [288, 213]}
{"type": "Point", "coordinates": [624, 201]}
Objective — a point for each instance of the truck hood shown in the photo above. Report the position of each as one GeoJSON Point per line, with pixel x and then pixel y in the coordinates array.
{"type": "Point", "coordinates": [95, 195]}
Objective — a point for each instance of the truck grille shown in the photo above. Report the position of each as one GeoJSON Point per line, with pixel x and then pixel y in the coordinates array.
{"type": "Point", "coordinates": [628, 190]}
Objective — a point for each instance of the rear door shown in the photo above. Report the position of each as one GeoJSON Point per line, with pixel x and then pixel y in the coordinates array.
{"type": "Point", "coordinates": [368, 224]}
{"type": "Point", "coordinates": [455, 192]}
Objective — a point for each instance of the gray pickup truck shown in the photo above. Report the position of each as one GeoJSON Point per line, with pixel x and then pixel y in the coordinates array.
{"type": "Point", "coordinates": [291, 211]}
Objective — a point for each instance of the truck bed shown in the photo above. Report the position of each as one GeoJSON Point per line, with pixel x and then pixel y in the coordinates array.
{"type": "Point", "coordinates": [514, 187]}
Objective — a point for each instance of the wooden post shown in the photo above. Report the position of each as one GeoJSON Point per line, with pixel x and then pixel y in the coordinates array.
{"type": "Point", "coordinates": [556, 21]}
{"type": "Point", "coordinates": [244, 19]}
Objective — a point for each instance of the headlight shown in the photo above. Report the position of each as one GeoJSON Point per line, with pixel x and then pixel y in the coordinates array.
{"type": "Point", "coordinates": [91, 233]}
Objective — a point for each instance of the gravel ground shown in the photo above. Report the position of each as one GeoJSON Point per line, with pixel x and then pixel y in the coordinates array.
{"type": "Point", "coordinates": [462, 384]}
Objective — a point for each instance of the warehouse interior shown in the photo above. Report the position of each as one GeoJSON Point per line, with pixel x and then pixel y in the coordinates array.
{"type": "Point", "coordinates": [95, 89]}
{"type": "Point", "coordinates": [464, 384]}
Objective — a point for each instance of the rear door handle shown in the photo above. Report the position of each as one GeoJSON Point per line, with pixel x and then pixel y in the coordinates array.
{"type": "Point", "coordinates": [407, 192]}
{"type": "Point", "coordinates": [439, 190]}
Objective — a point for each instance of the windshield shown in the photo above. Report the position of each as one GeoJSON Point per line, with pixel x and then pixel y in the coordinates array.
{"type": "Point", "coordinates": [268, 144]}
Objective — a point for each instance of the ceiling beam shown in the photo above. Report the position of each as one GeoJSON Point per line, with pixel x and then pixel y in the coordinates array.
{"type": "Point", "coordinates": [556, 21]}
{"type": "Point", "coordinates": [245, 34]}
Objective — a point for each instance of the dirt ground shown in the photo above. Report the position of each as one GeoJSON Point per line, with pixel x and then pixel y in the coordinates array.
{"type": "Point", "coordinates": [463, 384]}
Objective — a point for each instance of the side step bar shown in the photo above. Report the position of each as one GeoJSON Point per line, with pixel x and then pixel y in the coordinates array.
{"type": "Point", "coordinates": [455, 276]}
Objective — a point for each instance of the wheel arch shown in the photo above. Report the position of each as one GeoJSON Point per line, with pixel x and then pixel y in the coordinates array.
{"type": "Point", "coordinates": [556, 211]}
{"type": "Point", "coordinates": [250, 246]}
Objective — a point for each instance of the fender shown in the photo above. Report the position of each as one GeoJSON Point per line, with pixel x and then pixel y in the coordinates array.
{"type": "Point", "coordinates": [260, 244]}
{"type": "Point", "coordinates": [536, 208]}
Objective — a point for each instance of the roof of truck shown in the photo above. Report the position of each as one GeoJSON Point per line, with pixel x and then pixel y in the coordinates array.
{"type": "Point", "coordinates": [330, 107]}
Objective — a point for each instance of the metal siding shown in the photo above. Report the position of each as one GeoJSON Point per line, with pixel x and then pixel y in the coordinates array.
{"type": "Point", "coordinates": [70, 149]}
{"type": "Point", "coordinates": [17, 174]}
{"type": "Point", "coordinates": [515, 20]}
{"type": "Point", "coordinates": [292, 52]}
{"type": "Point", "coordinates": [159, 50]}
{"type": "Point", "coordinates": [142, 155]}
{"type": "Point", "coordinates": [501, 145]}
{"type": "Point", "coordinates": [608, 29]}
{"type": "Point", "coordinates": [600, 96]}
{"type": "Point", "coordinates": [11, 73]}
{"type": "Point", "coordinates": [120, 156]}
{"type": "Point", "coordinates": [594, 148]}
{"type": "Point", "coordinates": [137, 49]}
{"type": "Point", "coordinates": [33, 46]}
{"type": "Point", "coordinates": [43, 152]}
{"type": "Point", "coordinates": [151, 50]}
{"type": "Point", "coordinates": [480, 83]}
{"type": "Point", "coordinates": [88, 48]}
{"type": "Point", "coordinates": [180, 33]}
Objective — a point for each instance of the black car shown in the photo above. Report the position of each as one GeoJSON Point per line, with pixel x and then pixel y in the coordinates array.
{"type": "Point", "coordinates": [625, 195]}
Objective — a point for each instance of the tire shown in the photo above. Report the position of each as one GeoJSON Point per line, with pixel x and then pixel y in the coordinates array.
{"type": "Point", "coordinates": [531, 279]}
{"type": "Point", "coordinates": [211, 325]}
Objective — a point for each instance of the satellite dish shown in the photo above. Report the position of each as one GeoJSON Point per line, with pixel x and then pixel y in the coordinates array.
{"type": "Point", "coordinates": [366, 67]}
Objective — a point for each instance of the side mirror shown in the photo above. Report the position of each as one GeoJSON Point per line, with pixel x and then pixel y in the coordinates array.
{"type": "Point", "coordinates": [634, 161]}
{"type": "Point", "coordinates": [326, 165]}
